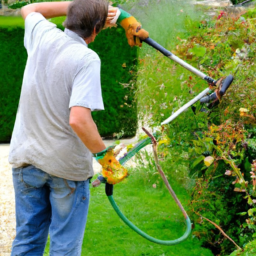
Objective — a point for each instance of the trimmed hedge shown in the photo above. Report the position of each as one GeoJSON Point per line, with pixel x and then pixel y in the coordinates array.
{"type": "Point", "coordinates": [119, 69]}
{"type": "Point", "coordinates": [118, 76]}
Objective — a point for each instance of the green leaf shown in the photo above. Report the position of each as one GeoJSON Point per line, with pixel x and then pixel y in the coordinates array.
{"type": "Point", "coordinates": [17, 5]}
{"type": "Point", "coordinates": [241, 213]}
{"type": "Point", "coordinates": [197, 161]}
{"type": "Point", "coordinates": [251, 211]}
{"type": "Point", "coordinates": [208, 139]}
{"type": "Point", "coordinates": [198, 51]}
{"type": "Point", "coordinates": [247, 165]}
{"type": "Point", "coordinates": [199, 150]}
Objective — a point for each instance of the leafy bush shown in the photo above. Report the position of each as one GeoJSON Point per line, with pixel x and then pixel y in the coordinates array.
{"type": "Point", "coordinates": [225, 184]}
{"type": "Point", "coordinates": [12, 63]}
{"type": "Point", "coordinates": [229, 140]}
{"type": "Point", "coordinates": [218, 48]}
{"type": "Point", "coordinates": [249, 250]}
{"type": "Point", "coordinates": [119, 67]}
{"type": "Point", "coordinates": [18, 5]}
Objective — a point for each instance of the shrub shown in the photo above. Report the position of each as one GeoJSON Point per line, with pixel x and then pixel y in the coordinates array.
{"type": "Point", "coordinates": [249, 249]}
{"type": "Point", "coordinates": [218, 48]}
{"type": "Point", "coordinates": [229, 140]}
{"type": "Point", "coordinates": [12, 63]}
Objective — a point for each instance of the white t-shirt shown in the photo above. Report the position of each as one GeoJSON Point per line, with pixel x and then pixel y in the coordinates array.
{"type": "Point", "coordinates": [61, 72]}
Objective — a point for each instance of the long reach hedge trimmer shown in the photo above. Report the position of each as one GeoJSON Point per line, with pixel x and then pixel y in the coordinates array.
{"type": "Point", "coordinates": [222, 84]}
{"type": "Point", "coordinates": [114, 173]}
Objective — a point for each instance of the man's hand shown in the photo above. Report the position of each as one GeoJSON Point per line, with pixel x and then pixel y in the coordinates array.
{"type": "Point", "coordinates": [134, 33]}
{"type": "Point", "coordinates": [113, 14]}
{"type": "Point", "coordinates": [112, 170]}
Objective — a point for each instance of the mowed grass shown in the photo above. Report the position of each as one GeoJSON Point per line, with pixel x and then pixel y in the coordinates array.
{"type": "Point", "coordinates": [151, 209]}
{"type": "Point", "coordinates": [6, 21]}
{"type": "Point", "coordinates": [13, 21]}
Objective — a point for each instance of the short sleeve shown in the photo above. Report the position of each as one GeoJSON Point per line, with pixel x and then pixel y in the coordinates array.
{"type": "Point", "coordinates": [35, 26]}
{"type": "Point", "coordinates": [86, 90]}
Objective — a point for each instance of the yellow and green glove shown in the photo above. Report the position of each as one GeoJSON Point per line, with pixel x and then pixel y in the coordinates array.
{"type": "Point", "coordinates": [133, 30]}
{"type": "Point", "coordinates": [112, 170]}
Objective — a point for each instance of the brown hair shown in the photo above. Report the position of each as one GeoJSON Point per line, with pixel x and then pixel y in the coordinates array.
{"type": "Point", "coordinates": [84, 15]}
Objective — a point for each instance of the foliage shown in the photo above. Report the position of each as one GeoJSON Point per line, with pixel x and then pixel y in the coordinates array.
{"type": "Point", "coordinates": [119, 65]}
{"type": "Point", "coordinates": [249, 250]}
{"type": "Point", "coordinates": [17, 5]}
{"type": "Point", "coordinates": [229, 140]}
{"type": "Point", "coordinates": [216, 192]}
{"type": "Point", "coordinates": [218, 48]}
{"type": "Point", "coordinates": [12, 62]}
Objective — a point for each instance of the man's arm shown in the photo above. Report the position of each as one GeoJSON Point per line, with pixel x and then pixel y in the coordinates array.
{"type": "Point", "coordinates": [48, 10]}
{"type": "Point", "coordinates": [83, 125]}
{"type": "Point", "coordinates": [56, 9]}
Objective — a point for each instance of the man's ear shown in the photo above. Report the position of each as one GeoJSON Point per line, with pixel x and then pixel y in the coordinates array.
{"type": "Point", "coordinates": [94, 30]}
{"type": "Point", "coordinates": [92, 37]}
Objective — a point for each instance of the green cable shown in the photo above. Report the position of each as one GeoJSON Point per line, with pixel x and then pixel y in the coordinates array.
{"type": "Point", "coordinates": [136, 149]}
{"type": "Point", "coordinates": [143, 234]}
{"type": "Point", "coordinates": [109, 192]}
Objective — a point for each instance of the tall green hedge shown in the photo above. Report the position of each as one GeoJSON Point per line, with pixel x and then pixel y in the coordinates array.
{"type": "Point", "coordinates": [118, 76]}
{"type": "Point", "coordinates": [119, 68]}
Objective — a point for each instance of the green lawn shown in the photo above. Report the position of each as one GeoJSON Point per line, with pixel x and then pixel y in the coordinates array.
{"type": "Point", "coordinates": [151, 209]}
{"type": "Point", "coordinates": [11, 21]}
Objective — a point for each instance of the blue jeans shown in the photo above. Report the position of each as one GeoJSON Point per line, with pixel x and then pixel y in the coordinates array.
{"type": "Point", "coordinates": [48, 204]}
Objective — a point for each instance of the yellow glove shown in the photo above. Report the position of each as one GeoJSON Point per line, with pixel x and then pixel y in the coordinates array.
{"type": "Point", "coordinates": [134, 33]}
{"type": "Point", "coordinates": [112, 170]}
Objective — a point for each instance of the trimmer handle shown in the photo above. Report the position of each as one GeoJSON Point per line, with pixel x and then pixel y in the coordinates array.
{"type": "Point", "coordinates": [157, 46]}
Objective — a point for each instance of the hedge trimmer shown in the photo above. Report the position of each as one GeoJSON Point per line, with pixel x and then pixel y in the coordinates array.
{"type": "Point", "coordinates": [222, 84]}
{"type": "Point", "coordinates": [111, 178]}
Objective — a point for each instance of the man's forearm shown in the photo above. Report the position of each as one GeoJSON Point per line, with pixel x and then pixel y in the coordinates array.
{"type": "Point", "coordinates": [88, 134]}
{"type": "Point", "coordinates": [47, 9]}
{"type": "Point", "coordinates": [85, 128]}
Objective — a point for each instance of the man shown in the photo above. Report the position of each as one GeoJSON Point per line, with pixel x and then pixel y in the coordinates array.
{"type": "Point", "coordinates": [54, 134]}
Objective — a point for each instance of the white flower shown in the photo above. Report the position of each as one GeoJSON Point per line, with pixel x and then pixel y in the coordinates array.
{"type": "Point", "coordinates": [208, 160]}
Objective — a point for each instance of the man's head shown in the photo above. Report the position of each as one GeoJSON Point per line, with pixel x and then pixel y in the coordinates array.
{"type": "Point", "coordinates": [86, 17]}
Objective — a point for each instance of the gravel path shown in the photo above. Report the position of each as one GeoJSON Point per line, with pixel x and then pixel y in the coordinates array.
{"type": "Point", "coordinates": [7, 211]}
